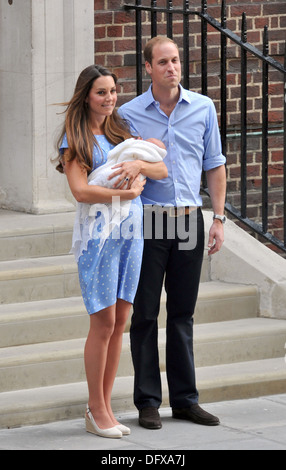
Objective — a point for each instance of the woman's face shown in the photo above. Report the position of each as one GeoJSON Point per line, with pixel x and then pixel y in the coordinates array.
{"type": "Point", "coordinates": [102, 97]}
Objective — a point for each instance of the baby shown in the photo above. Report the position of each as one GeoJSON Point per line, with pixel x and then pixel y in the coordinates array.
{"type": "Point", "coordinates": [149, 150]}
{"type": "Point", "coordinates": [89, 216]}
{"type": "Point", "coordinates": [156, 142]}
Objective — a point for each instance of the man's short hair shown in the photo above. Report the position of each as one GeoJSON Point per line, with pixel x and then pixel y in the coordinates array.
{"type": "Point", "coordinates": [148, 50]}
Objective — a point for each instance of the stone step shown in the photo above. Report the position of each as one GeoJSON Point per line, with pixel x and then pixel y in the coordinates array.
{"type": "Point", "coordinates": [239, 340]}
{"type": "Point", "coordinates": [220, 301]}
{"type": "Point", "coordinates": [42, 321]}
{"type": "Point", "coordinates": [26, 280]}
{"type": "Point", "coordinates": [66, 318]}
{"type": "Point", "coordinates": [48, 277]}
{"type": "Point", "coordinates": [29, 236]}
{"type": "Point", "coordinates": [217, 383]}
{"type": "Point", "coordinates": [60, 362]}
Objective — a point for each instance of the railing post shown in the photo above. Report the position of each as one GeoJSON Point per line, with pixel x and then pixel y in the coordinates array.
{"type": "Point", "coordinates": [169, 19]}
{"type": "Point", "coordinates": [139, 47]}
{"type": "Point", "coordinates": [204, 49]}
{"type": "Point", "coordinates": [153, 19]}
{"type": "Point", "coordinates": [265, 134]}
{"type": "Point", "coordinates": [186, 43]}
{"type": "Point", "coordinates": [285, 148]}
{"type": "Point", "coordinates": [243, 171]}
{"type": "Point", "coordinates": [223, 123]}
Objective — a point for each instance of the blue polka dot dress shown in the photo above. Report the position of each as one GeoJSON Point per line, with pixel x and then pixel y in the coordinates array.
{"type": "Point", "coordinates": [112, 272]}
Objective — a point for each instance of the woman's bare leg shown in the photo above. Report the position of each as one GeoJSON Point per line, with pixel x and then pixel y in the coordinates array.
{"type": "Point", "coordinates": [114, 351]}
{"type": "Point", "coordinates": [102, 325]}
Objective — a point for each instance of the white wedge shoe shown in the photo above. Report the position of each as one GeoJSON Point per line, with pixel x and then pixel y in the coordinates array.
{"type": "Point", "coordinates": [91, 426]}
{"type": "Point", "coordinates": [124, 429]}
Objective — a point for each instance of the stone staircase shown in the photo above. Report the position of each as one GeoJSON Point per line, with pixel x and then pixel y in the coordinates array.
{"type": "Point", "coordinates": [43, 326]}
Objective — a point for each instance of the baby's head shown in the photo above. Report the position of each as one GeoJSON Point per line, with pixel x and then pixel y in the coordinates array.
{"type": "Point", "coordinates": [156, 142]}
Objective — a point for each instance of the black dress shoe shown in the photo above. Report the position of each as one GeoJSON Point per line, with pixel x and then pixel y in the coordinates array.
{"type": "Point", "coordinates": [196, 414]}
{"type": "Point", "coordinates": [149, 418]}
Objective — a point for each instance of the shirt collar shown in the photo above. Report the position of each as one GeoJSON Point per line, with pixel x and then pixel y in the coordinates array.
{"type": "Point", "coordinates": [149, 98]}
{"type": "Point", "coordinates": [184, 95]}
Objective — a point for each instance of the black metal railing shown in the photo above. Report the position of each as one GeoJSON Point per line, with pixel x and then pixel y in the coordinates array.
{"type": "Point", "coordinates": [241, 213]}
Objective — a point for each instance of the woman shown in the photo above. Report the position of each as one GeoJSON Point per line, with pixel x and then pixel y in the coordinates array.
{"type": "Point", "coordinates": [109, 277]}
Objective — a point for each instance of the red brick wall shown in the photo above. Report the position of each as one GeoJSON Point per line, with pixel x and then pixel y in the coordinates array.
{"type": "Point", "coordinates": [115, 46]}
{"type": "Point", "coordinates": [115, 38]}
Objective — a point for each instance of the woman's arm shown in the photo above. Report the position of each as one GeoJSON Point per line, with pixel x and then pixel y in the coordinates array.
{"type": "Point", "coordinates": [83, 192]}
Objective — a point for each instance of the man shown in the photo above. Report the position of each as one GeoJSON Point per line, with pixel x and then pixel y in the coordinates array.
{"type": "Point", "coordinates": [187, 124]}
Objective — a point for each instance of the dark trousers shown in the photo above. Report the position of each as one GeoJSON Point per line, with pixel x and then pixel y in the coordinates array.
{"type": "Point", "coordinates": [164, 259]}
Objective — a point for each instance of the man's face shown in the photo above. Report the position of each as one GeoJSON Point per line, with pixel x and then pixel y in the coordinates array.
{"type": "Point", "coordinates": [165, 69]}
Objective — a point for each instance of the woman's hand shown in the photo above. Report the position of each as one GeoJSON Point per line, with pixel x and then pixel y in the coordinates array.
{"type": "Point", "coordinates": [127, 172]}
{"type": "Point", "coordinates": [137, 186]}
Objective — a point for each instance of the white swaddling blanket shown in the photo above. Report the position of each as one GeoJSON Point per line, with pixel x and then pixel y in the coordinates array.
{"type": "Point", "coordinates": [113, 214]}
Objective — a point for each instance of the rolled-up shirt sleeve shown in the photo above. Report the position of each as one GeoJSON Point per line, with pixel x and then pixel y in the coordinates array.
{"type": "Point", "coordinates": [213, 156]}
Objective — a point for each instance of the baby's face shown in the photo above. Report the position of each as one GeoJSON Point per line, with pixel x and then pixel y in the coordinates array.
{"type": "Point", "coordinates": [156, 142]}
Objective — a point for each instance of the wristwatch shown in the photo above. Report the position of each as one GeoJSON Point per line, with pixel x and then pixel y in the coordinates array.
{"type": "Point", "coordinates": [222, 218]}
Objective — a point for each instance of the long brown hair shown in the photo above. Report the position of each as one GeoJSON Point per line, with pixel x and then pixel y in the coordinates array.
{"type": "Point", "coordinates": [80, 138]}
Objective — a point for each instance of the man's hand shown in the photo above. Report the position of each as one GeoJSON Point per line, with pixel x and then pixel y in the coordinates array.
{"type": "Point", "coordinates": [216, 237]}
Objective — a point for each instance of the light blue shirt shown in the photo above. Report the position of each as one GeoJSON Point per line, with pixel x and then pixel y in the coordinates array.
{"type": "Point", "coordinates": [192, 139]}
